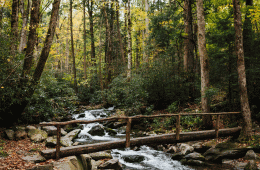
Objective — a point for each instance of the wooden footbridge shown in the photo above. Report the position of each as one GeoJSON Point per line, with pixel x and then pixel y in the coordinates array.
{"type": "Point", "coordinates": [157, 139]}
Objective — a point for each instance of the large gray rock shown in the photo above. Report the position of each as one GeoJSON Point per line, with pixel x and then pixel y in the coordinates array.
{"type": "Point", "coordinates": [52, 130]}
{"type": "Point", "coordinates": [68, 163]}
{"type": "Point", "coordinates": [42, 167]}
{"type": "Point", "coordinates": [186, 149]}
{"type": "Point", "coordinates": [193, 162]}
{"type": "Point", "coordinates": [111, 164]}
{"type": "Point", "coordinates": [97, 130]}
{"type": "Point", "coordinates": [10, 134]}
{"type": "Point", "coordinates": [171, 149]}
{"type": "Point", "coordinates": [37, 135]}
{"type": "Point", "coordinates": [251, 155]}
{"type": "Point", "coordinates": [100, 155]}
{"type": "Point", "coordinates": [251, 165]}
{"type": "Point", "coordinates": [64, 141]}
{"type": "Point", "coordinates": [95, 164]}
{"type": "Point", "coordinates": [195, 156]}
{"type": "Point", "coordinates": [34, 158]}
{"type": "Point", "coordinates": [73, 134]}
{"type": "Point", "coordinates": [86, 161]}
{"type": "Point", "coordinates": [29, 127]}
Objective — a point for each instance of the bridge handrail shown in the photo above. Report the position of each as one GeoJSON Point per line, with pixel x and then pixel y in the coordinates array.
{"type": "Point", "coordinates": [129, 120]}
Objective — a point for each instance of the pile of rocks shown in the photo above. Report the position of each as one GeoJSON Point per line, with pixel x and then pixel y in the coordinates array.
{"type": "Point", "coordinates": [210, 153]}
{"type": "Point", "coordinates": [47, 134]}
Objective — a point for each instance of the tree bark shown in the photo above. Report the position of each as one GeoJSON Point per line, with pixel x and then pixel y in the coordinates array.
{"type": "Point", "coordinates": [119, 33]}
{"type": "Point", "coordinates": [204, 63]}
{"type": "Point", "coordinates": [91, 29]}
{"type": "Point", "coordinates": [72, 50]}
{"type": "Point", "coordinates": [25, 14]}
{"type": "Point", "coordinates": [85, 39]}
{"type": "Point", "coordinates": [14, 26]}
{"type": "Point", "coordinates": [32, 38]}
{"type": "Point", "coordinates": [129, 29]}
{"type": "Point", "coordinates": [247, 128]}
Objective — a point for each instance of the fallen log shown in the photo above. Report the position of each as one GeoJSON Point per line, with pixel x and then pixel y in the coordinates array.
{"type": "Point", "coordinates": [158, 139]}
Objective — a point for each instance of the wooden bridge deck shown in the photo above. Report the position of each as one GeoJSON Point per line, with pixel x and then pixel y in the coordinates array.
{"type": "Point", "coordinates": [157, 139]}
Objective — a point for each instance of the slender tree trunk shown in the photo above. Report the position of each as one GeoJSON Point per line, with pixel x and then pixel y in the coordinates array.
{"type": "Point", "coordinates": [32, 38]}
{"type": "Point", "coordinates": [146, 53]}
{"type": "Point", "coordinates": [67, 51]}
{"type": "Point", "coordinates": [91, 29]}
{"type": "Point", "coordinates": [129, 29]}
{"type": "Point", "coordinates": [119, 32]}
{"type": "Point", "coordinates": [204, 63]}
{"type": "Point", "coordinates": [72, 50]}
{"type": "Point", "coordinates": [247, 129]}
{"type": "Point", "coordinates": [14, 26]}
{"type": "Point", "coordinates": [25, 14]}
{"type": "Point", "coordinates": [85, 39]}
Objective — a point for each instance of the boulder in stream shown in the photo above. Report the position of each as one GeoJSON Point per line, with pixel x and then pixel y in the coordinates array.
{"type": "Point", "coordinates": [133, 158]}
{"type": "Point", "coordinates": [111, 164]}
{"type": "Point", "coordinates": [97, 130]}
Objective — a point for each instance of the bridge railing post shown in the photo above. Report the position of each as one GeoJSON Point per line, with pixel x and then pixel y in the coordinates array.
{"type": "Point", "coordinates": [217, 125]}
{"type": "Point", "coordinates": [128, 132]}
{"type": "Point", "coordinates": [178, 126]}
{"type": "Point", "coordinates": [58, 142]}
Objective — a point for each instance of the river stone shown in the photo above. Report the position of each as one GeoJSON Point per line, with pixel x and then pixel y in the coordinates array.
{"type": "Point", "coordinates": [251, 165]}
{"type": "Point", "coordinates": [51, 141]}
{"type": "Point", "coordinates": [97, 130]}
{"type": "Point", "coordinates": [73, 134]}
{"type": "Point", "coordinates": [193, 162]}
{"type": "Point", "coordinates": [171, 149]}
{"type": "Point", "coordinates": [29, 127]}
{"type": "Point", "coordinates": [111, 164]}
{"type": "Point", "coordinates": [68, 163]}
{"type": "Point", "coordinates": [111, 132]}
{"type": "Point", "coordinates": [195, 156]}
{"type": "Point", "coordinates": [250, 155]}
{"type": "Point", "coordinates": [200, 147]}
{"type": "Point", "coordinates": [34, 158]}
{"type": "Point", "coordinates": [177, 156]}
{"type": "Point", "coordinates": [95, 164]}
{"type": "Point", "coordinates": [10, 134]}
{"type": "Point", "coordinates": [65, 141]}
{"type": "Point", "coordinates": [100, 155]}
{"type": "Point", "coordinates": [133, 158]}
{"type": "Point", "coordinates": [37, 135]}
{"type": "Point", "coordinates": [20, 134]}
{"type": "Point", "coordinates": [186, 149]}
{"type": "Point", "coordinates": [86, 161]}
{"type": "Point", "coordinates": [82, 115]}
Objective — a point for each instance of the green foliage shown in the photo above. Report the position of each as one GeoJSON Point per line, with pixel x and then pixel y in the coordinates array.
{"type": "Point", "coordinates": [173, 107]}
{"type": "Point", "coordinates": [191, 122]}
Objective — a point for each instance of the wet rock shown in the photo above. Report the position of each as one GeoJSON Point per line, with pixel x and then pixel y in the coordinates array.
{"type": "Point", "coordinates": [177, 156]}
{"type": "Point", "coordinates": [111, 132]}
{"type": "Point", "coordinates": [73, 134]}
{"type": "Point", "coordinates": [95, 164]}
{"type": "Point", "coordinates": [97, 130]}
{"type": "Point", "coordinates": [100, 155]}
{"type": "Point", "coordinates": [251, 155]}
{"type": "Point", "coordinates": [65, 141]}
{"type": "Point", "coordinates": [133, 158]}
{"type": "Point", "coordinates": [81, 116]}
{"type": "Point", "coordinates": [195, 156]}
{"type": "Point", "coordinates": [34, 158]}
{"type": "Point", "coordinates": [97, 113]}
{"type": "Point", "coordinates": [160, 148]}
{"type": "Point", "coordinates": [119, 125]}
{"type": "Point", "coordinates": [200, 147]}
{"type": "Point", "coordinates": [251, 165]}
{"type": "Point", "coordinates": [52, 130]}
{"type": "Point", "coordinates": [111, 164]}
{"type": "Point", "coordinates": [86, 161]}
{"type": "Point", "coordinates": [10, 134]}
{"type": "Point", "coordinates": [51, 141]}
{"type": "Point", "coordinates": [37, 135]}
{"type": "Point", "coordinates": [193, 162]}
{"type": "Point", "coordinates": [186, 149]}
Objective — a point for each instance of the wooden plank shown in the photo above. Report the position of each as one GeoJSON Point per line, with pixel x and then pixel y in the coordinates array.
{"type": "Point", "coordinates": [217, 125]}
{"type": "Point", "coordinates": [178, 127]}
{"type": "Point", "coordinates": [151, 140]}
{"type": "Point", "coordinates": [128, 132]}
{"type": "Point", "coordinates": [133, 117]}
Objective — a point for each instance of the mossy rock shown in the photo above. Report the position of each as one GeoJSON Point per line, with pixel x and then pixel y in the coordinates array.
{"type": "Point", "coordinates": [227, 145]}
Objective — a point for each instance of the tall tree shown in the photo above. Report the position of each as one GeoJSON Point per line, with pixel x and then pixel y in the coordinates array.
{"type": "Point", "coordinates": [129, 29]}
{"type": "Point", "coordinates": [34, 24]}
{"type": "Point", "coordinates": [14, 25]}
{"type": "Point", "coordinates": [25, 14]}
{"type": "Point", "coordinates": [91, 29]}
{"type": "Point", "coordinates": [72, 50]}
{"type": "Point", "coordinates": [204, 64]}
{"type": "Point", "coordinates": [119, 32]}
{"type": "Point", "coordinates": [247, 128]}
{"type": "Point", "coordinates": [84, 38]}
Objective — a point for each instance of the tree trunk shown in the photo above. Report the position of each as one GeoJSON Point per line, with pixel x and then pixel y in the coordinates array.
{"type": "Point", "coordinates": [129, 29]}
{"type": "Point", "coordinates": [119, 33]}
{"type": "Point", "coordinates": [85, 39]}
{"type": "Point", "coordinates": [32, 38]}
{"type": "Point", "coordinates": [14, 26]}
{"type": "Point", "coordinates": [72, 50]}
{"type": "Point", "coordinates": [146, 35]}
{"type": "Point", "coordinates": [247, 129]}
{"type": "Point", "coordinates": [91, 29]}
{"type": "Point", "coordinates": [204, 63]}
{"type": "Point", "coordinates": [25, 14]}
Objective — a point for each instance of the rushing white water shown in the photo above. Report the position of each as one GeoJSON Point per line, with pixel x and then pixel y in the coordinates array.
{"type": "Point", "coordinates": [151, 159]}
